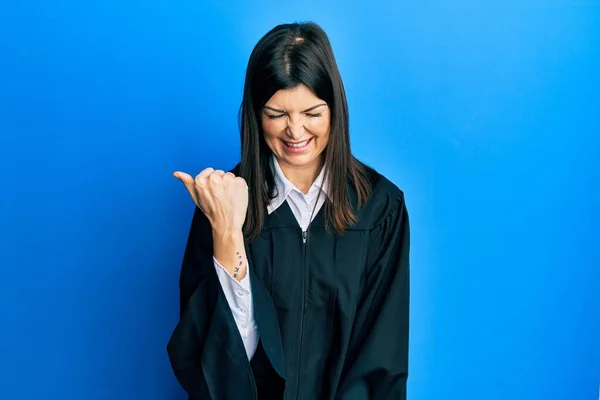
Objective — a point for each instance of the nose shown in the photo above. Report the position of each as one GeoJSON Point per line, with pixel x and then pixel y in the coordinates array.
{"type": "Point", "coordinates": [295, 129]}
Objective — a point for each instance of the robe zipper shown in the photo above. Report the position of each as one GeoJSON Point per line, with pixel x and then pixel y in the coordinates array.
{"type": "Point", "coordinates": [305, 262]}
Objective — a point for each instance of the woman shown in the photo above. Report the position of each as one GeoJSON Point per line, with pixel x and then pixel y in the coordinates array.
{"type": "Point", "coordinates": [295, 278]}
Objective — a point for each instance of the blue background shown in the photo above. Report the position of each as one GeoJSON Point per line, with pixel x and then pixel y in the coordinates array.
{"type": "Point", "coordinates": [486, 113]}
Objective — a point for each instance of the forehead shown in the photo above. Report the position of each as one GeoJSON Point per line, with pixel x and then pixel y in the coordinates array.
{"type": "Point", "coordinates": [294, 99]}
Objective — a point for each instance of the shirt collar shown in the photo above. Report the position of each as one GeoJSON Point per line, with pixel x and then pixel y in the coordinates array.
{"type": "Point", "coordinates": [283, 186]}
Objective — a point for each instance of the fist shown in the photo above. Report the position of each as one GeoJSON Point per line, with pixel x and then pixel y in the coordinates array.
{"type": "Point", "coordinates": [221, 196]}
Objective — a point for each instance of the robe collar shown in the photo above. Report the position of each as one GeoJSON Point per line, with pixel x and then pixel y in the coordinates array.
{"type": "Point", "coordinates": [283, 187]}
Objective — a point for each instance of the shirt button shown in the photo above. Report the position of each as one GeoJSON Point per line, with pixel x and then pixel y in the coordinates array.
{"type": "Point", "coordinates": [244, 326]}
{"type": "Point", "coordinates": [243, 310]}
{"type": "Point", "coordinates": [239, 293]}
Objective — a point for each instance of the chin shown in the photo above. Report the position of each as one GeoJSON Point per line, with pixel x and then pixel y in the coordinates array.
{"type": "Point", "coordinates": [299, 160]}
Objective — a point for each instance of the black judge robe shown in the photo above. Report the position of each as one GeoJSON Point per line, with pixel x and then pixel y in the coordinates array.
{"type": "Point", "coordinates": [332, 311]}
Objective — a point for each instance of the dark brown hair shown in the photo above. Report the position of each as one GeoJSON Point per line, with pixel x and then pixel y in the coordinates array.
{"type": "Point", "coordinates": [289, 55]}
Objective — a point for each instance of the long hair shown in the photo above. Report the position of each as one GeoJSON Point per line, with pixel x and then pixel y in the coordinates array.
{"type": "Point", "coordinates": [289, 55]}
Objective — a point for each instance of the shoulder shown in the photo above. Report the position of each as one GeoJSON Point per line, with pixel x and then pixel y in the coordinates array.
{"type": "Point", "coordinates": [236, 169]}
{"type": "Point", "coordinates": [385, 202]}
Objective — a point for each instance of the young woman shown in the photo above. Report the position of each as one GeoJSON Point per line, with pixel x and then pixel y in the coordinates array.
{"type": "Point", "coordinates": [295, 278]}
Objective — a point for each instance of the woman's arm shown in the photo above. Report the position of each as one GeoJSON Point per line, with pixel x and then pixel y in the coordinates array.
{"type": "Point", "coordinates": [221, 201]}
{"type": "Point", "coordinates": [377, 364]}
{"type": "Point", "coordinates": [205, 349]}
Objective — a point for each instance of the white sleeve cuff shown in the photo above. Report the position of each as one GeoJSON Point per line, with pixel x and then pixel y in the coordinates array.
{"type": "Point", "coordinates": [239, 298]}
{"type": "Point", "coordinates": [227, 280]}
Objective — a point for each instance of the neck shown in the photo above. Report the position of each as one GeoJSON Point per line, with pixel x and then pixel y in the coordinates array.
{"type": "Point", "coordinates": [304, 176]}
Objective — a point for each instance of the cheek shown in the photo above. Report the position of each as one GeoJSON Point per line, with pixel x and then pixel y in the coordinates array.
{"type": "Point", "coordinates": [320, 127]}
{"type": "Point", "coordinates": [271, 134]}
{"type": "Point", "coordinates": [269, 129]}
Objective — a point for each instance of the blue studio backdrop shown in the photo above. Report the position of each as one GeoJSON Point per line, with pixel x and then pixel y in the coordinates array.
{"type": "Point", "coordinates": [486, 113]}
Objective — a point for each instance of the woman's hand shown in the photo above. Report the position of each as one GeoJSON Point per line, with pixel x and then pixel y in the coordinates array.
{"type": "Point", "coordinates": [221, 196]}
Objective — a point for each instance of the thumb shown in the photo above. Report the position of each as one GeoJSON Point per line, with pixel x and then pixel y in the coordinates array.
{"type": "Point", "coordinates": [182, 176]}
{"type": "Point", "coordinates": [188, 181]}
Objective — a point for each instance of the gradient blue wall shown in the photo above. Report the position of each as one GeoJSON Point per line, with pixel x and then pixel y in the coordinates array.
{"type": "Point", "coordinates": [486, 113]}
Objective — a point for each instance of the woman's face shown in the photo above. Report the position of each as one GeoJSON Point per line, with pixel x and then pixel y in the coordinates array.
{"type": "Point", "coordinates": [296, 124]}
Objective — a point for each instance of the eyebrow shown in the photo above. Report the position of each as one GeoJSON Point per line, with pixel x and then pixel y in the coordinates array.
{"type": "Point", "coordinates": [304, 111]}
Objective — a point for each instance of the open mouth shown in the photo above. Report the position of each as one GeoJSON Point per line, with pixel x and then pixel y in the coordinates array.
{"type": "Point", "coordinates": [297, 146]}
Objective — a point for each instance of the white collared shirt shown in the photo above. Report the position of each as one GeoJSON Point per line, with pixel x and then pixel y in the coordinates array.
{"type": "Point", "coordinates": [239, 293]}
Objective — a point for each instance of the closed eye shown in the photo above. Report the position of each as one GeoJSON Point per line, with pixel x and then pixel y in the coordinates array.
{"type": "Point", "coordinates": [277, 116]}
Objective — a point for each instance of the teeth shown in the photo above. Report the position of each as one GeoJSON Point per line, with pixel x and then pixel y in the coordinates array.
{"type": "Point", "coordinates": [301, 144]}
